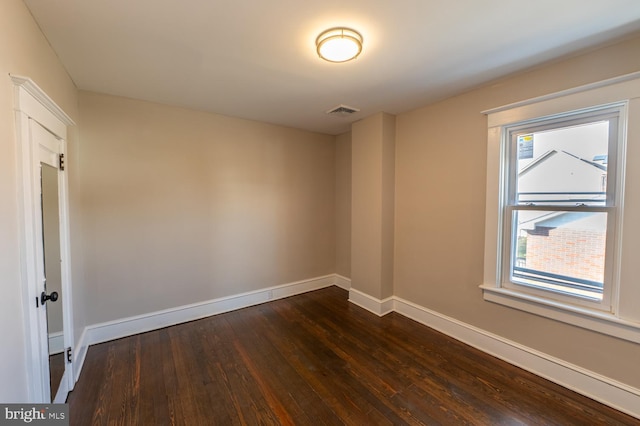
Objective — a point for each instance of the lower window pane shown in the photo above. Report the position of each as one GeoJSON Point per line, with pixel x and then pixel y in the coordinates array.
{"type": "Point", "coordinates": [563, 252]}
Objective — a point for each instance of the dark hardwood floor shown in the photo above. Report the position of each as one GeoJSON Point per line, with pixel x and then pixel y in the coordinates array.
{"type": "Point", "coordinates": [56, 371]}
{"type": "Point", "coordinates": [315, 359]}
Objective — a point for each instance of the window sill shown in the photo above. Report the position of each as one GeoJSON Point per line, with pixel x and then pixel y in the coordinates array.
{"type": "Point", "coordinates": [601, 322]}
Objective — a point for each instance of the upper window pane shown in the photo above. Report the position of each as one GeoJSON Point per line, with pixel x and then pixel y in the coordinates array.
{"type": "Point", "coordinates": [563, 166]}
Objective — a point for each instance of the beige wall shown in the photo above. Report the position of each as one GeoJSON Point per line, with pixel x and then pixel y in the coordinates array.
{"type": "Point", "coordinates": [183, 206]}
{"type": "Point", "coordinates": [23, 51]}
{"type": "Point", "coordinates": [440, 197]}
{"type": "Point", "coordinates": [388, 161]}
{"type": "Point", "coordinates": [372, 205]}
{"type": "Point", "coordinates": [343, 205]}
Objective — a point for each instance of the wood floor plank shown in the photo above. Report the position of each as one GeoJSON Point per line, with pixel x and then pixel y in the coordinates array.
{"type": "Point", "coordinates": [381, 383]}
{"type": "Point", "coordinates": [153, 393]}
{"type": "Point", "coordinates": [315, 359]}
{"type": "Point", "coordinates": [405, 372]}
{"type": "Point", "coordinates": [323, 371]}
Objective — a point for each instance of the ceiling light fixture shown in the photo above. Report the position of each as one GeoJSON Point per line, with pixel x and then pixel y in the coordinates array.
{"type": "Point", "coordinates": [339, 44]}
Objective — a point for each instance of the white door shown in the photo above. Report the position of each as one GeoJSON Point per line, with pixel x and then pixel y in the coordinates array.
{"type": "Point", "coordinates": [41, 131]}
{"type": "Point", "coordinates": [51, 237]}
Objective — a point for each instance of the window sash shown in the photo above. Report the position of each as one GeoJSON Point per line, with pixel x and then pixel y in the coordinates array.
{"type": "Point", "coordinates": [511, 204]}
{"type": "Point", "coordinates": [597, 114]}
{"type": "Point", "coordinates": [509, 247]}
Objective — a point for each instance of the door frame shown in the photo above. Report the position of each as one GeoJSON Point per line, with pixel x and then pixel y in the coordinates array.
{"type": "Point", "coordinates": [32, 103]}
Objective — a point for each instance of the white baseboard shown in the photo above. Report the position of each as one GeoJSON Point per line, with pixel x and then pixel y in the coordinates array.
{"type": "Point", "coordinates": [56, 343]}
{"type": "Point", "coordinates": [370, 303]}
{"type": "Point", "coordinates": [610, 392]}
{"type": "Point", "coordinates": [343, 282]}
{"type": "Point", "coordinates": [63, 389]}
{"type": "Point", "coordinates": [111, 330]}
{"type": "Point", "coordinates": [79, 355]}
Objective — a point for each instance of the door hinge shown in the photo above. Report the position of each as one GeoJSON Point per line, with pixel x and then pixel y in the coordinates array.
{"type": "Point", "coordinates": [69, 355]}
{"type": "Point", "coordinates": [61, 161]}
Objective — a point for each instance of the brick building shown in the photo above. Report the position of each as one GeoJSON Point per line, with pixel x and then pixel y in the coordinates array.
{"type": "Point", "coordinates": [568, 244]}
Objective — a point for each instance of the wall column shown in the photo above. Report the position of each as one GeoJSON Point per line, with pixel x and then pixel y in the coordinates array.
{"type": "Point", "coordinates": [372, 214]}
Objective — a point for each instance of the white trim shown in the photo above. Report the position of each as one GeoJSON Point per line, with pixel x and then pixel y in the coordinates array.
{"type": "Point", "coordinates": [586, 87]}
{"type": "Point", "coordinates": [590, 319]}
{"type": "Point", "coordinates": [28, 265]}
{"type": "Point", "coordinates": [64, 388]}
{"type": "Point", "coordinates": [56, 343]}
{"type": "Point", "coordinates": [80, 354]}
{"type": "Point", "coordinates": [615, 394]}
{"type": "Point", "coordinates": [343, 282]}
{"type": "Point", "coordinates": [65, 268]}
{"type": "Point", "coordinates": [370, 303]}
{"type": "Point", "coordinates": [602, 93]}
{"type": "Point", "coordinates": [32, 104]}
{"type": "Point", "coordinates": [37, 94]}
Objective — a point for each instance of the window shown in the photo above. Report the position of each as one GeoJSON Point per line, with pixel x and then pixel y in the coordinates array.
{"type": "Point", "coordinates": [559, 215]}
{"type": "Point", "coordinates": [562, 193]}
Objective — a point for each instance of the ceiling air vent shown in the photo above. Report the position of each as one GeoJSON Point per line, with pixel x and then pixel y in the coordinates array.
{"type": "Point", "coordinates": [342, 110]}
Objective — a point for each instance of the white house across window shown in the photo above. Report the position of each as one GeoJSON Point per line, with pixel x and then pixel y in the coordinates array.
{"type": "Point", "coordinates": [560, 205]}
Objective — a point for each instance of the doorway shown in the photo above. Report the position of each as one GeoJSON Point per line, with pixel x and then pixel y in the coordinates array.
{"type": "Point", "coordinates": [53, 275]}
{"type": "Point", "coordinates": [41, 129]}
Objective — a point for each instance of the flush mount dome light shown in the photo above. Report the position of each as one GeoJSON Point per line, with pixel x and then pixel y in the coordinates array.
{"type": "Point", "coordinates": [339, 44]}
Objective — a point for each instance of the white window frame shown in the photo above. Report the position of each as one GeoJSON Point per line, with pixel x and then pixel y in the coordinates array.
{"type": "Point", "coordinates": [620, 315]}
{"type": "Point", "coordinates": [614, 196]}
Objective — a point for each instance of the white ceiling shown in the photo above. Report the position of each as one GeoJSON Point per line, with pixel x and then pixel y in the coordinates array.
{"type": "Point", "coordinates": [256, 59]}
